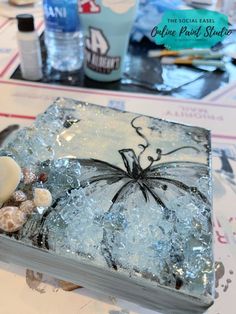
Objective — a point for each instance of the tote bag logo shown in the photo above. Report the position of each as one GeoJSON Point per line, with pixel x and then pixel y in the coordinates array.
{"type": "Point", "coordinates": [88, 6]}
{"type": "Point", "coordinates": [97, 47]}
{"type": "Point", "coordinates": [181, 29]}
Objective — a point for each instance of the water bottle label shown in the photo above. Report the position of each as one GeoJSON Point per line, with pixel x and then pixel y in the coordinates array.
{"type": "Point", "coordinates": [97, 47]}
{"type": "Point", "coordinates": [61, 16]}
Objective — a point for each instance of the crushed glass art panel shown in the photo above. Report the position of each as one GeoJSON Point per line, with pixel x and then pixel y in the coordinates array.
{"type": "Point", "coordinates": [129, 192]}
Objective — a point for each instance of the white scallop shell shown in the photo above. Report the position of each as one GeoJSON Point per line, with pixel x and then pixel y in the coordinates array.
{"type": "Point", "coordinates": [10, 175]}
{"type": "Point", "coordinates": [12, 219]}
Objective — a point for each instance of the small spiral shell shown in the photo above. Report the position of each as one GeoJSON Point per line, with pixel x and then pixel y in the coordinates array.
{"type": "Point", "coordinates": [19, 196]}
{"type": "Point", "coordinates": [29, 176]}
{"type": "Point", "coordinates": [27, 207]}
{"type": "Point", "coordinates": [12, 219]}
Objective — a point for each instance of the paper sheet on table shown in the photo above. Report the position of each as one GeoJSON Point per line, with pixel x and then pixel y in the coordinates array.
{"type": "Point", "coordinates": [3, 21]}
{"type": "Point", "coordinates": [21, 95]}
{"type": "Point", "coordinates": [22, 101]}
{"type": "Point", "coordinates": [225, 95]}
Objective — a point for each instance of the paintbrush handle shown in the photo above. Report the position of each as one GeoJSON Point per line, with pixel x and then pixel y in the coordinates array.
{"type": "Point", "coordinates": [184, 52]}
{"type": "Point", "coordinates": [218, 64]}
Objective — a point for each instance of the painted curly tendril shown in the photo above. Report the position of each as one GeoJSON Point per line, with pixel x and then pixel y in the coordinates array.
{"type": "Point", "coordinates": [138, 130]}
{"type": "Point", "coordinates": [159, 152]}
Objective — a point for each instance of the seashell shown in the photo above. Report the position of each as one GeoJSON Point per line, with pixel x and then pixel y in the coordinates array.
{"type": "Point", "coordinates": [27, 207]}
{"type": "Point", "coordinates": [12, 219]}
{"type": "Point", "coordinates": [10, 175]}
{"type": "Point", "coordinates": [29, 176]}
{"type": "Point", "coordinates": [43, 177]}
{"type": "Point", "coordinates": [10, 203]}
{"type": "Point", "coordinates": [42, 197]}
{"type": "Point", "coordinates": [19, 196]}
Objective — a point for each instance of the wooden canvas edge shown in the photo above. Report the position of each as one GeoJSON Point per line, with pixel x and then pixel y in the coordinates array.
{"type": "Point", "coordinates": [151, 296]}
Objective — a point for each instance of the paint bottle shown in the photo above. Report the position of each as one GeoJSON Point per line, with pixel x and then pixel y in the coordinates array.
{"type": "Point", "coordinates": [29, 48]}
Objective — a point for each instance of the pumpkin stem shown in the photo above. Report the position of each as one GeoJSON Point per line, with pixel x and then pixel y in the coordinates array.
{"type": "Point", "coordinates": [131, 162]}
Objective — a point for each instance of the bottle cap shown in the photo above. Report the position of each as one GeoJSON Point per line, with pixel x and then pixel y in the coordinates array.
{"type": "Point", "coordinates": [25, 22]}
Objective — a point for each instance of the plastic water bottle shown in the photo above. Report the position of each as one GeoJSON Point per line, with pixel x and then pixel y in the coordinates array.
{"type": "Point", "coordinates": [63, 36]}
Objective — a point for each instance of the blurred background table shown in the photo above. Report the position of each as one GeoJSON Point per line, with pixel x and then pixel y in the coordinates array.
{"type": "Point", "coordinates": [148, 75]}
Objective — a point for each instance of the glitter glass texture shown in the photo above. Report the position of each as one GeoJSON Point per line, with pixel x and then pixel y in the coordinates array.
{"type": "Point", "coordinates": [131, 194]}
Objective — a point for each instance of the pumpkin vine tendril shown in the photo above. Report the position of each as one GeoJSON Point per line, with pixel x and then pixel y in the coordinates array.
{"type": "Point", "coordinates": [159, 153]}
